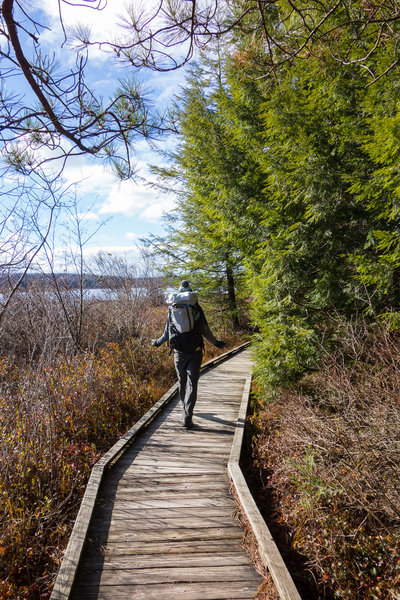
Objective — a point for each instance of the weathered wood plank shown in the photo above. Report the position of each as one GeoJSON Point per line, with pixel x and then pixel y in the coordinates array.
{"type": "Point", "coordinates": [216, 470]}
{"type": "Point", "coordinates": [132, 484]}
{"type": "Point", "coordinates": [191, 591]}
{"type": "Point", "coordinates": [179, 534]}
{"type": "Point", "coordinates": [161, 479]}
{"type": "Point", "coordinates": [131, 577]}
{"type": "Point", "coordinates": [139, 493]}
{"type": "Point", "coordinates": [124, 506]}
{"type": "Point", "coordinates": [161, 523]}
{"type": "Point", "coordinates": [169, 514]}
{"type": "Point", "coordinates": [147, 561]}
{"type": "Point", "coordinates": [176, 548]}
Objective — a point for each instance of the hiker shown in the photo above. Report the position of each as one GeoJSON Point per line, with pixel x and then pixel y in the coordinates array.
{"type": "Point", "coordinates": [186, 314]}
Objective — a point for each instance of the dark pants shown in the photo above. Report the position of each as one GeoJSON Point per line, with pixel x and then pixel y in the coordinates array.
{"type": "Point", "coordinates": [188, 370]}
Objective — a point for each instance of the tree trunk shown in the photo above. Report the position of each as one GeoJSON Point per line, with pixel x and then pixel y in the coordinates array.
{"type": "Point", "coordinates": [232, 296]}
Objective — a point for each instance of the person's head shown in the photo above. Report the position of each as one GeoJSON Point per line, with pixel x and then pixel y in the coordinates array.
{"type": "Point", "coordinates": [185, 286]}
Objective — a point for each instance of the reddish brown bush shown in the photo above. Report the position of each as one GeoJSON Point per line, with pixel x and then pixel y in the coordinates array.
{"type": "Point", "coordinates": [329, 452]}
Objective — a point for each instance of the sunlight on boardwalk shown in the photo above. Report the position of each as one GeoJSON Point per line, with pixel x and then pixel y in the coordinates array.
{"type": "Point", "coordinates": [163, 526]}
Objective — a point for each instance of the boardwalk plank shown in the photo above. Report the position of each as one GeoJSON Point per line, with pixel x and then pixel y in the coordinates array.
{"type": "Point", "coordinates": [175, 548]}
{"type": "Point", "coordinates": [168, 514]}
{"type": "Point", "coordinates": [127, 489]}
{"type": "Point", "coordinates": [120, 576]}
{"type": "Point", "coordinates": [192, 591]}
{"type": "Point", "coordinates": [180, 484]}
{"type": "Point", "coordinates": [147, 561]}
{"type": "Point", "coordinates": [221, 520]}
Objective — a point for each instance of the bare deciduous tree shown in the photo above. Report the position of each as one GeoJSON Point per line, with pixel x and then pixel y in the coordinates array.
{"type": "Point", "coordinates": [27, 212]}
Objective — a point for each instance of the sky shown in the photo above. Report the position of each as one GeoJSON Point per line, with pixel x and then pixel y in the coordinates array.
{"type": "Point", "coordinates": [126, 210]}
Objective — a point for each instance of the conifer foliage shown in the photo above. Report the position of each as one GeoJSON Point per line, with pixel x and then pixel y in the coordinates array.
{"type": "Point", "coordinates": [289, 169]}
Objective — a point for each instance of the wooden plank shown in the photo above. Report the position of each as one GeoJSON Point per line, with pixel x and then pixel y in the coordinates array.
{"type": "Point", "coordinates": [174, 461]}
{"type": "Point", "coordinates": [179, 444]}
{"type": "Point", "coordinates": [140, 494]}
{"type": "Point", "coordinates": [181, 484]}
{"type": "Point", "coordinates": [156, 522]}
{"type": "Point", "coordinates": [199, 434]}
{"type": "Point", "coordinates": [170, 482]}
{"type": "Point", "coordinates": [179, 534]}
{"type": "Point", "coordinates": [216, 469]}
{"type": "Point", "coordinates": [168, 514]}
{"type": "Point", "coordinates": [192, 591]}
{"type": "Point", "coordinates": [160, 479]}
{"type": "Point", "coordinates": [124, 506]}
{"type": "Point", "coordinates": [201, 425]}
{"type": "Point", "coordinates": [117, 577]}
{"type": "Point", "coordinates": [126, 476]}
{"type": "Point", "coordinates": [147, 561]}
{"type": "Point", "coordinates": [175, 548]}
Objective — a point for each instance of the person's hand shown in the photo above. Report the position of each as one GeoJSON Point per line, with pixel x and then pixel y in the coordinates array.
{"type": "Point", "coordinates": [220, 344]}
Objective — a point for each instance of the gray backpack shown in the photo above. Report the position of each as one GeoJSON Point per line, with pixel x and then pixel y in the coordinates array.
{"type": "Point", "coordinates": [182, 310]}
{"type": "Point", "coordinates": [184, 315]}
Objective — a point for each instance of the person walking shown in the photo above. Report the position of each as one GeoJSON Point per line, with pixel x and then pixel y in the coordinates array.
{"type": "Point", "coordinates": [188, 349]}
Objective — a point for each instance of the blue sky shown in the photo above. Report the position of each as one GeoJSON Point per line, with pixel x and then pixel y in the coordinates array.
{"type": "Point", "coordinates": [131, 209]}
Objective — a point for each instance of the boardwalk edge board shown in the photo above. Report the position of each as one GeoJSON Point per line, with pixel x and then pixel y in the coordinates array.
{"type": "Point", "coordinates": [73, 553]}
{"type": "Point", "coordinates": [268, 550]}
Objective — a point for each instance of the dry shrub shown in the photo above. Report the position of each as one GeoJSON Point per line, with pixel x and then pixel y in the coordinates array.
{"type": "Point", "coordinates": [38, 323]}
{"type": "Point", "coordinates": [330, 452]}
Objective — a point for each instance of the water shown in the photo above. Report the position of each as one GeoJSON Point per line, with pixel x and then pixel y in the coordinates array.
{"type": "Point", "coordinates": [90, 293]}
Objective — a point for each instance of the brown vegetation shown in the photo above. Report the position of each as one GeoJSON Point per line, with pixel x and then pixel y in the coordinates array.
{"type": "Point", "coordinates": [327, 457]}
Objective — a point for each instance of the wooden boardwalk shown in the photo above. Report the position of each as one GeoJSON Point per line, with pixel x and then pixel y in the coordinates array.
{"type": "Point", "coordinates": [162, 528]}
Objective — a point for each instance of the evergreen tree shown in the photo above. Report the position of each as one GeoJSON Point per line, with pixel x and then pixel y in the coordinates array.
{"type": "Point", "coordinates": [214, 223]}
{"type": "Point", "coordinates": [295, 172]}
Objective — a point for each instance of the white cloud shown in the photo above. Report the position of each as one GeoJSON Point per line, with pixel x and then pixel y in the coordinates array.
{"type": "Point", "coordinates": [137, 198]}
{"type": "Point", "coordinates": [97, 184]}
{"type": "Point", "coordinates": [105, 20]}
{"type": "Point", "coordinates": [102, 23]}
{"type": "Point", "coordinates": [154, 212]}
{"type": "Point", "coordinates": [89, 178]}
{"type": "Point", "coordinates": [126, 197]}
{"type": "Point", "coordinates": [108, 21]}
{"type": "Point", "coordinates": [131, 236]}
{"type": "Point", "coordinates": [88, 216]}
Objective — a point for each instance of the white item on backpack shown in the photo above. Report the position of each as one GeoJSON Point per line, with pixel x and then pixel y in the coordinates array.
{"type": "Point", "coordinates": [182, 310]}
